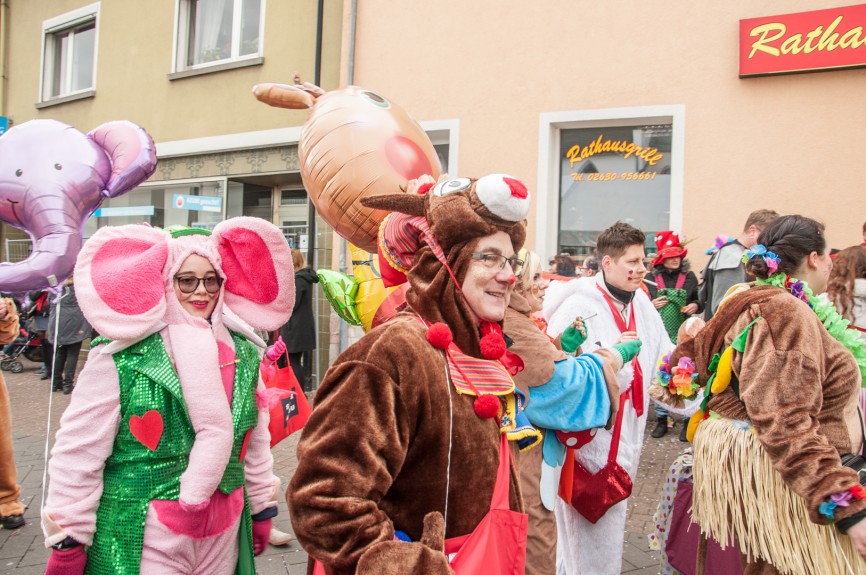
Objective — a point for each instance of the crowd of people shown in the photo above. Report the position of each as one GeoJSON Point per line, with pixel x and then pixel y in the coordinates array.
{"type": "Point", "coordinates": [494, 426]}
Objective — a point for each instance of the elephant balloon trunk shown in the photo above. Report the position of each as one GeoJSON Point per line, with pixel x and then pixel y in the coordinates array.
{"type": "Point", "coordinates": [48, 262]}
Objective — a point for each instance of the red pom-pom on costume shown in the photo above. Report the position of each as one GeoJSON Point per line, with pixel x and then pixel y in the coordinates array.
{"type": "Point", "coordinates": [424, 188]}
{"type": "Point", "coordinates": [486, 406]}
{"type": "Point", "coordinates": [492, 342]}
{"type": "Point", "coordinates": [439, 335]}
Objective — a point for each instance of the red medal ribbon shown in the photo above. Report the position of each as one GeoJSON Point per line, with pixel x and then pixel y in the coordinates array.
{"type": "Point", "coordinates": [637, 380]}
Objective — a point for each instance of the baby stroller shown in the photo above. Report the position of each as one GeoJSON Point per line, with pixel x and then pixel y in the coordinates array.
{"type": "Point", "coordinates": [29, 344]}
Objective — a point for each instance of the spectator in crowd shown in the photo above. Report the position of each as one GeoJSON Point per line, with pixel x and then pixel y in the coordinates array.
{"type": "Point", "coordinates": [38, 313]}
{"type": "Point", "coordinates": [589, 267]}
{"type": "Point", "coordinates": [73, 330]}
{"type": "Point", "coordinates": [563, 266]}
{"type": "Point", "coordinates": [11, 508]}
{"type": "Point", "coordinates": [847, 286]}
{"type": "Point", "coordinates": [299, 334]}
{"type": "Point", "coordinates": [675, 296]}
{"type": "Point", "coordinates": [726, 267]}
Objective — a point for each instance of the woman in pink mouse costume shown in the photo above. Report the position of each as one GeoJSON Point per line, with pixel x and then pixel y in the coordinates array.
{"type": "Point", "coordinates": [162, 462]}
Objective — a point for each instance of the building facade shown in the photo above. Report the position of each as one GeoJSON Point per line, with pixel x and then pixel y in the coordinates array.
{"type": "Point", "coordinates": [633, 111]}
{"type": "Point", "coordinates": [183, 70]}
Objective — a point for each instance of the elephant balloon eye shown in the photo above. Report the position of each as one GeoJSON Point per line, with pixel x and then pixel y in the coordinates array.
{"type": "Point", "coordinates": [18, 172]}
{"type": "Point", "coordinates": [58, 167]}
{"type": "Point", "coordinates": [376, 99]}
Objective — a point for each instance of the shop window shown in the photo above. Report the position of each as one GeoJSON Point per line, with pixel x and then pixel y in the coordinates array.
{"type": "Point", "coordinates": [250, 200]}
{"type": "Point", "coordinates": [218, 31]}
{"type": "Point", "coordinates": [69, 53]}
{"type": "Point", "coordinates": [293, 217]}
{"type": "Point", "coordinates": [197, 205]}
{"type": "Point", "coordinates": [620, 172]}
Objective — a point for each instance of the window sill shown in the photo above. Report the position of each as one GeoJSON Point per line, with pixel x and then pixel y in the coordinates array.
{"type": "Point", "coordinates": [64, 99]}
{"type": "Point", "coordinates": [258, 61]}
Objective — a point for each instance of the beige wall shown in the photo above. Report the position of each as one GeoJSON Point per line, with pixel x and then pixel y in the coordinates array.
{"type": "Point", "coordinates": [787, 142]}
{"type": "Point", "coordinates": [135, 57]}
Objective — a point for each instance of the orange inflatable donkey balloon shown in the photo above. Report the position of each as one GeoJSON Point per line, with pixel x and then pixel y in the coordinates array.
{"type": "Point", "coordinates": [355, 144]}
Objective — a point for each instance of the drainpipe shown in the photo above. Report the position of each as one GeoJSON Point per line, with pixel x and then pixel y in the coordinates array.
{"type": "Point", "coordinates": [317, 73]}
{"type": "Point", "coordinates": [4, 39]}
{"type": "Point", "coordinates": [350, 78]}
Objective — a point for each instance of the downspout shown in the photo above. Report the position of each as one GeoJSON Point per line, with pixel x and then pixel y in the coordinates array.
{"type": "Point", "coordinates": [317, 73]}
{"type": "Point", "coordinates": [350, 79]}
{"type": "Point", "coordinates": [4, 38]}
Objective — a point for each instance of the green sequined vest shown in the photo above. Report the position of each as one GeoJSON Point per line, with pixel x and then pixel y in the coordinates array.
{"type": "Point", "coordinates": [135, 474]}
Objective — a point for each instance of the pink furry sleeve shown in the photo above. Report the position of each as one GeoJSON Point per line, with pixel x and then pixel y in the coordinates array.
{"type": "Point", "coordinates": [259, 464]}
{"type": "Point", "coordinates": [85, 439]}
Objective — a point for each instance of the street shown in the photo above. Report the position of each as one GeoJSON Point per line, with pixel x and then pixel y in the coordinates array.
{"type": "Point", "coordinates": [22, 551]}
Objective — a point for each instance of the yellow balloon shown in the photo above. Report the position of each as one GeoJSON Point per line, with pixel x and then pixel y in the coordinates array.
{"type": "Point", "coordinates": [696, 418]}
{"type": "Point", "coordinates": [371, 290]}
{"type": "Point", "coordinates": [723, 372]}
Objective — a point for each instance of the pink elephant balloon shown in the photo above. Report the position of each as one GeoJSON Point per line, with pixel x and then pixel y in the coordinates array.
{"type": "Point", "coordinates": [52, 178]}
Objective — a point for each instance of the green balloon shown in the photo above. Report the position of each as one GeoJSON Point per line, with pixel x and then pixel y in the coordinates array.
{"type": "Point", "coordinates": [340, 289]}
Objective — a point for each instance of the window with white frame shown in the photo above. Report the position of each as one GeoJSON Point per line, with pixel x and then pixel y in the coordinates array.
{"type": "Point", "coordinates": [69, 53]}
{"type": "Point", "coordinates": [217, 31]}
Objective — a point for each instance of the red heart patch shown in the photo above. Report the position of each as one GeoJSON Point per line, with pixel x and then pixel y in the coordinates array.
{"type": "Point", "coordinates": [147, 428]}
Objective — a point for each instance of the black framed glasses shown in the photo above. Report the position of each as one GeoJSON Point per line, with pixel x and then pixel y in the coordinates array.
{"type": "Point", "coordinates": [498, 261]}
{"type": "Point", "coordinates": [188, 284]}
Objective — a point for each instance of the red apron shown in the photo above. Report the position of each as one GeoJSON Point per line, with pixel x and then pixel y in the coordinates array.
{"type": "Point", "coordinates": [497, 546]}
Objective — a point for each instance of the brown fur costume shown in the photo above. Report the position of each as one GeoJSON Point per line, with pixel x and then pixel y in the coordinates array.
{"type": "Point", "coordinates": [798, 386]}
{"type": "Point", "coordinates": [9, 489]}
{"type": "Point", "coordinates": [388, 425]}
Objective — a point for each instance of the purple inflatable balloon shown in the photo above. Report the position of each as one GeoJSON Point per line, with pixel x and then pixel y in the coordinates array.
{"type": "Point", "coordinates": [52, 178]}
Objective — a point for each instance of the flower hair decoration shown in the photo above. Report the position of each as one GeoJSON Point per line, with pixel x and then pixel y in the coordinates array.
{"type": "Point", "coordinates": [759, 250]}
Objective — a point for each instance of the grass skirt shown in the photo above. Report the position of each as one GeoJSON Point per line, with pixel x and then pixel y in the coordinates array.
{"type": "Point", "coordinates": [738, 493]}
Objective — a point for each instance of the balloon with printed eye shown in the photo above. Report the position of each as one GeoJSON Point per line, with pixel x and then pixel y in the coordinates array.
{"type": "Point", "coordinates": [356, 143]}
{"type": "Point", "coordinates": [52, 178]}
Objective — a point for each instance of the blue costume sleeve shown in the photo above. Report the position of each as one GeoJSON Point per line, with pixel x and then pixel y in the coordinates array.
{"type": "Point", "coordinates": [574, 399]}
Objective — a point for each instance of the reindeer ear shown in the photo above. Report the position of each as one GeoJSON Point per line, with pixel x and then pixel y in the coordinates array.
{"type": "Point", "coordinates": [257, 263]}
{"type": "Point", "coordinates": [411, 204]}
{"type": "Point", "coordinates": [131, 152]}
{"type": "Point", "coordinates": [119, 280]}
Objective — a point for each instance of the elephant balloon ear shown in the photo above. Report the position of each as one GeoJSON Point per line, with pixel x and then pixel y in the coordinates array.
{"type": "Point", "coordinates": [131, 151]}
{"type": "Point", "coordinates": [257, 263]}
{"type": "Point", "coordinates": [119, 280]}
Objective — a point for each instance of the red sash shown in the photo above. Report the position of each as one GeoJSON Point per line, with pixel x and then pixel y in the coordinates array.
{"type": "Point", "coordinates": [637, 381]}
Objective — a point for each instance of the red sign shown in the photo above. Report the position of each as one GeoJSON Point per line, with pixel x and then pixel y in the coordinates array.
{"type": "Point", "coordinates": [803, 42]}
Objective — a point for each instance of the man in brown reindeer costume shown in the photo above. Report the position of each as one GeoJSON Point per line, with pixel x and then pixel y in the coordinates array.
{"type": "Point", "coordinates": [407, 439]}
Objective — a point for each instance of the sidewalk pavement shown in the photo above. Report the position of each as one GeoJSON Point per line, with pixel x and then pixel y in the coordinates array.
{"type": "Point", "coordinates": [22, 551]}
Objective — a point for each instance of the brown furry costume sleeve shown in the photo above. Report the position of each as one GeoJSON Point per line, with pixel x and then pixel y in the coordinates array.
{"type": "Point", "coordinates": [798, 386]}
{"type": "Point", "coordinates": [9, 321]}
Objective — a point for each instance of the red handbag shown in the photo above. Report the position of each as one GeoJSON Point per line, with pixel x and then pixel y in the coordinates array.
{"type": "Point", "coordinates": [593, 494]}
{"type": "Point", "coordinates": [287, 404]}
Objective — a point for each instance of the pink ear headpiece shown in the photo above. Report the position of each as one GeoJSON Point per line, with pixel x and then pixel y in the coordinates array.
{"type": "Point", "coordinates": [124, 273]}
